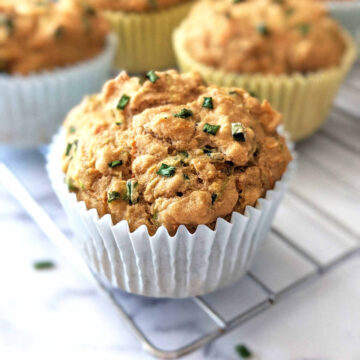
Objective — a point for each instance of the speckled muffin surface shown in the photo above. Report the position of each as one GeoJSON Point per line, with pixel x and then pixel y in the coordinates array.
{"type": "Point", "coordinates": [263, 36]}
{"type": "Point", "coordinates": [135, 5]}
{"type": "Point", "coordinates": [42, 35]}
{"type": "Point", "coordinates": [172, 151]}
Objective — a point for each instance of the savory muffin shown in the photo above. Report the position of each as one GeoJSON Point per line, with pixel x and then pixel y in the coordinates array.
{"type": "Point", "coordinates": [263, 36]}
{"type": "Point", "coordinates": [172, 151]}
{"type": "Point", "coordinates": [42, 35]}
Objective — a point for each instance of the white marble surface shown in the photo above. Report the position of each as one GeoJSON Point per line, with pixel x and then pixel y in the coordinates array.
{"type": "Point", "coordinates": [59, 313]}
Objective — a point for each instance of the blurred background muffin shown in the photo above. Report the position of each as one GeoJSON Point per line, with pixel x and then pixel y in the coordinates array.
{"type": "Point", "coordinates": [290, 52]}
{"type": "Point", "coordinates": [144, 29]}
{"type": "Point", "coordinates": [51, 55]}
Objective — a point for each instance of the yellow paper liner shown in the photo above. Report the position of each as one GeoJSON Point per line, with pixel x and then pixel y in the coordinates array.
{"type": "Point", "coordinates": [144, 39]}
{"type": "Point", "coordinates": [303, 100]}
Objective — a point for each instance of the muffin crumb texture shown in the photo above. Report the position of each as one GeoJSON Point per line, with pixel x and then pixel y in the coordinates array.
{"type": "Point", "coordinates": [263, 36]}
{"type": "Point", "coordinates": [42, 35]}
{"type": "Point", "coordinates": [169, 151]}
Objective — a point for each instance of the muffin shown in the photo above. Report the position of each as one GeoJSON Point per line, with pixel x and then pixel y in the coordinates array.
{"type": "Point", "coordinates": [171, 161]}
{"type": "Point", "coordinates": [290, 52]}
{"type": "Point", "coordinates": [144, 29]}
{"type": "Point", "coordinates": [51, 55]}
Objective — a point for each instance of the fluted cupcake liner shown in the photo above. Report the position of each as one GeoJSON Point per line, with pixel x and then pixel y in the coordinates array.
{"type": "Point", "coordinates": [144, 39]}
{"type": "Point", "coordinates": [304, 100]}
{"type": "Point", "coordinates": [162, 265]}
{"type": "Point", "coordinates": [33, 107]}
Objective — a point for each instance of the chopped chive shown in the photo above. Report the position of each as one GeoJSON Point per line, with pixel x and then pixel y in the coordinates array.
{"type": "Point", "coordinates": [9, 24]}
{"type": "Point", "coordinates": [153, 4]}
{"type": "Point", "coordinates": [186, 177]}
{"type": "Point", "coordinates": [213, 198]}
{"type": "Point", "coordinates": [253, 94]}
{"type": "Point", "coordinates": [115, 163]}
{"type": "Point", "coordinates": [184, 113]}
{"type": "Point", "coordinates": [71, 186]}
{"type": "Point", "coordinates": [166, 170]}
{"type": "Point", "coordinates": [211, 129]}
{"type": "Point", "coordinates": [207, 150]}
{"type": "Point", "coordinates": [72, 129]}
{"type": "Point", "coordinates": [155, 215]}
{"type": "Point", "coordinates": [278, 1]}
{"type": "Point", "coordinates": [184, 154]}
{"type": "Point", "coordinates": [131, 193]}
{"type": "Point", "coordinates": [112, 196]}
{"type": "Point", "coordinates": [89, 11]}
{"type": "Point", "coordinates": [238, 132]}
{"type": "Point", "coordinates": [243, 351]}
{"type": "Point", "coordinates": [304, 28]}
{"type": "Point", "coordinates": [238, 1]}
{"type": "Point", "coordinates": [118, 123]}
{"type": "Point", "coordinates": [208, 103]}
{"type": "Point", "coordinates": [123, 102]}
{"type": "Point", "coordinates": [289, 11]}
{"type": "Point", "coordinates": [263, 29]}
{"type": "Point", "coordinates": [152, 76]}
{"type": "Point", "coordinates": [68, 149]}
{"type": "Point", "coordinates": [59, 32]}
{"type": "Point", "coordinates": [44, 265]}
{"type": "Point", "coordinates": [233, 92]}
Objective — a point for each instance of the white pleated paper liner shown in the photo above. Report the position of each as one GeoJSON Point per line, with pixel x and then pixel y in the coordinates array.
{"type": "Point", "coordinates": [33, 107]}
{"type": "Point", "coordinates": [162, 265]}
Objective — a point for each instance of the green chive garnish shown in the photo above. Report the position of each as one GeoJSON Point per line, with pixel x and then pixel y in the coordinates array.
{"type": "Point", "coordinates": [213, 198]}
{"type": "Point", "coordinates": [123, 102]}
{"type": "Point", "coordinates": [289, 11]}
{"type": "Point", "coordinates": [131, 194]}
{"type": "Point", "coordinates": [44, 265]}
{"type": "Point", "coordinates": [59, 32]}
{"type": "Point", "coordinates": [71, 186]}
{"type": "Point", "coordinates": [89, 11]}
{"type": "Point", "coordinates": [211, 129]}
{"type": "Point", "coordinates": [166, 170]}
{"type": "Point", "coordinates": [207, 150]}
{"type": "Point", "coordinates": [112, 196]}
{"type": "Point", "coordinates": [186, 177]}
{"type": "Point", "coordinates": [115, 163]}
{"type": "Point", "coordinates": [243, 351]}
{"type": "Point", "coordinates": [233, 92]}
{"type": "Point", "coordinates": [251, 93]}
{"type": "Point", "coordinates": [118, 123]}
{"type": "Point", "coordinates": [184, 154]}
{"type": "Point", "coordinates": [9, 24]}
{"type": "Point", "coordinates": [184, 113]}
{"type": "Point", "coordinates": [68, 149]}
{"type": "Point", "coordinates": [304, 29]}
{"type": "Point", "coordinates": [263, 29]}
{"type": "Point", "coordinates": [153, 4]}
{"type": "Point", "coordinates": [238, 1]}
{"type": "Point", "coordinates": [208, 103]}
{"type": "Point", "coordinates": [72, 129]}
{"type": "Point", "coordinates": [152, 76]}
{"type": "Point", "coordinates": [238, 132]}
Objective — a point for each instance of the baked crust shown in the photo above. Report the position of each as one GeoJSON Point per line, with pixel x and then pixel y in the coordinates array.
{"type": "Point", "coordinates": [165, 156]}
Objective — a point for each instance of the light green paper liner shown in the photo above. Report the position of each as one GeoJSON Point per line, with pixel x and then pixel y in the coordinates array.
{"type": "Point", "coordinates": [144, 39]}
{"type": "Point", "coordinates": [303, 100]}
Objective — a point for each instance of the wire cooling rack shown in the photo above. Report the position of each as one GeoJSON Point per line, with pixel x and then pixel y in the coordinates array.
{"type": "Point", "coordinates": [316, 229]}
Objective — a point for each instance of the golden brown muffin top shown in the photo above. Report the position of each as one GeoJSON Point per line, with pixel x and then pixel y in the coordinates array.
{"type": "Point", "coordinates": [172, 151]}
{"type": "Point", "coordinates": [135, 5]}
{"type": "Point", "coordinates": [38, 35]}
{"type": "Point", "coordinates": [263, 36]}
